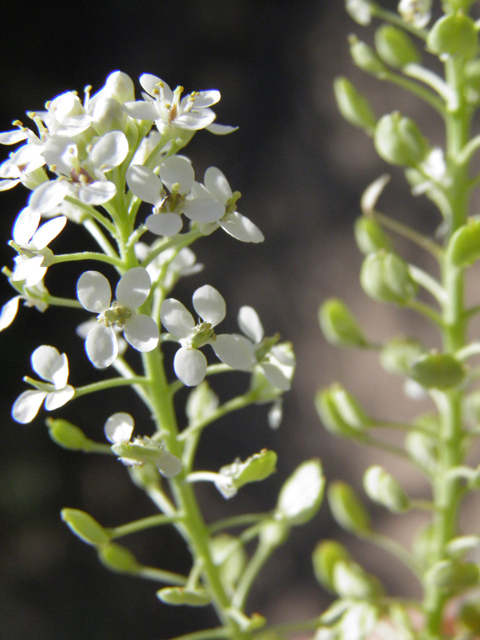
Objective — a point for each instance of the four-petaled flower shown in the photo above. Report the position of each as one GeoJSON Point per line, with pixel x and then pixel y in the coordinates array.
{"type": "Point", "coordinates": [52, 367]}
{"type": "Point", "coordinates": [140, 330]}
{"type": "Point", "coordinates": [418, 12]}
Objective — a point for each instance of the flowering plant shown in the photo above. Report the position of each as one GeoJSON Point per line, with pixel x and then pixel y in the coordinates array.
{"type": "Point", "coordinates": [90, 165]}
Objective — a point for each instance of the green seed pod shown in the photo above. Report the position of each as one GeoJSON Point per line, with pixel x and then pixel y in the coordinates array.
{"type": "Point", "coordinates": [255, 468]}
{"type": "Point", "coordinates": [437, 371]}
{"type": "Point", "coordinates": [470, 616]}
{"type": "Point", "coordinates": [347, 509]}
{"type": "Point", "coordinates": [464, 246]}
{"type": "Point", "coordinates": [423, 450]}
{"type": "Point", "coordinates": [453, 35]}
{"type": "Point", "coordinates": [366, 58]}
{"type": "Point", "coordinates": [399, 141]}
{"type": "Point", "coordinates": [118, 559]}
{"type": "Point", "coordinates": [453, 575]}
{"type": "Point", "coordinates": [201, 403]}
{"type": "Point", "coordinates": [183, 596]}
{"type": "Point", "coordinates": [325, 556]}
{"type": "Point", "coordinates": [301, 495]}
{"type": "Point", "coordinates": [398, 355]}
{"type": "Point", "coordinates": [353, 106]}
{"type": "Point", "coordinates": [350, 580]}
{"type": "Point", "coordinates": [385, 277]}
{"type": "Point", "coordinates": [67, 435]}
{"type": "Point", "coordinates": [382, 488]}
{"type": "Point", "coordinates": [459, 5]}
{"type": "Point", "coordinates": [339, 325]}
{"type": "Point", "coordinates": [85, 527]}
{"type": "Point", "coordinates": [340, 412]}
{"type": "Point", "coordinates": [370, 236]}
{"type": "Point", "coordinates": [395, 47]}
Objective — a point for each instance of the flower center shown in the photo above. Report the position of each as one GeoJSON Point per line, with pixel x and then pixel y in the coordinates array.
{"type": "Point", "coordinates": [115, 315]}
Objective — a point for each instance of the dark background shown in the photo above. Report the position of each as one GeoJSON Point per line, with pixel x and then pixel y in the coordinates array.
{"type": "Point", "coordinates": [301, 170]}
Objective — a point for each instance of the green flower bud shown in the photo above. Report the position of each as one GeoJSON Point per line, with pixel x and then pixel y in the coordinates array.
{"type": "Point", "coordinates": [453, 575]}
{"type": "Point", "coordinates": [347, 508]}
{"type": "Point", "coordinates": [381, 487]}
{"type": "Point", "coordinates": [370, 236]}
{"type": "Point", "coordinates": [339, 325]}
{"type": "Point", "coordinates": [452, 35]}
{"type": "Point", "coordinates": [385, 277]}
{"type": "Point", "coordinates": [398, 355]}
{"type": "Point", "coordinates": [399, 141]}
{"type": "Point", "coordinates": [301, 495]}
{"type": "Point", "coordinates": [350, 580]}
{"type": "Point", "coordinates": [438, 371]}
{"type": "Point", "coordinates": [325, 556]}
{"type": "Point", "coordinates": [85, 527]}
{"type": "Point", "coordinates": [67, 435]}
{"type": "Point", "coordinates": [184, 596]}
{"type": "Point", "coordinates": [353, 106]}
{"type": "Point", "coordinates": [366, 58]}
{"type": "Point", "coordinates": [464, 246]}
{"type": "Point", "coordinates": [395, 47]}
{"type": "Point", "coordinates": [118, 559]}
{"type": "Point", "coordinates": [340, 412]}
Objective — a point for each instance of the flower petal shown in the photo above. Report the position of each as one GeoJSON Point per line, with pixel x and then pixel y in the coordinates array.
{"type": "Point", "coordinates": [145, 184]}
{"type": "Point", "coordinates": [94, 292]}
{"type": "Point", "coordinates": [235, 351]}
{"type": "Point", "coordinates": [217, 184]}
{"type": "Point", "coordinates": [50, 365]}
{"type": "Point", "coordinates": [190, 366]}
{"type": "Point", "coordinates": [204, 210]}
{"type": "Point", "coordinates": [209, 304]}
{"type": "Point", "coordinates": [241, 228]}
{"type": "Point", "coordinates": [133, 288]}
{"type": "Point", "coordinates": [151, 84]}
{"type": "Point", "coordinates": [47, 232]}
{"type": "Point", "coordinates": [119, 427]}
{"type": "Point", "coordinates": [27, 406]}
{"type": "Point", "coordinates": [8, 312]}
{"type": "Point", "coordinates": [12, 137]}
{"type": "Point", "coordinates": [164, 224]}
{"type": "Point", "coordinates": [95, 193]}
{"type": "Point", "coordinates": [141, 332]}
{"type": "Point", "coordinates": [57, 399]}
{"type": "Point", "coordinates": [220, 129]}
{"type": "Point", "coordinates": [141, 110]}
{"type": "Point", "coordinates": [101, 346]}
{"type": "Point", "coordinates": [250, 324]}
{"type": "Point", "coordinates": [48, 195]}
{"type": "Point", "coordinates": [168, 464]}
{"type": "Point", "coordinates": [177, 170]}
{"type": "Point", "coordinates": [110, 151]}
{"type": "Point", "coordinates": [25, 226]}
{"type": "Point", "coordinates": [176, 318]}
{"type": "Point", "coordinates": [276, 377]}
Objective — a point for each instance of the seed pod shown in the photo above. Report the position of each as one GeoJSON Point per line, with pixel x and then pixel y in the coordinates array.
{"type": "Point", "coordinates": [118, 559]}
{"type": "Point", "coordinates": [341, 414]}
{"type": "Point", "coordinates": [452, 35]}
{"type": "Point", "coordinates": [438, 371]}
{"type": "Point", "coordinates": [398, 140]}
{"type": "Point", "coordinates": [353, 106]}
{"type": "Point", "coordinates": [339, 325]}
{"type": "Point", "coordinates": [395, 47]}
{"type": "Point", "coordinates": [381, 487]}
{"type": "Point", "coordinates": [398, 355]}
{"type": "Point", "coordinates": [85, 527]}
{"type": "Point", "coordinates": [370, 236]}
{"type": "Point", "coordinates": [350, 580]}
{"type": "Point", "coordinates": [325, 556]}
{"type": "Point", "coordinates": [183, 596]}
{"type": "Point", "coordinates": [385, 277]}
{"type": "Point", "coordinates": [67, 435]}
{"type": "Point", "coordinates": [366, 58]}
{"type": "Point", "coordinates": [464, 246]}
{"type": "Point", "coordinates": [302, 493]}
{"type": "Point", "coordinates": [347, 509]}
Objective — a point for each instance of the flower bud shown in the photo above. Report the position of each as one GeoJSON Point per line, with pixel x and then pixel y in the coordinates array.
{"type": "Point", "coordinates": [118, 558]}
{"type": "Point", "coordinates": [353, 106]}
{"type": "Point", "coordinates": [437, 371]}
{"type": "Point", "coordinates": [385, 277]}
{"type": "Point", "coordinates": [108, 115]}
{"type": "Point", "coordinates": [347, 508]}
{"type": "Point", "coordinates": [325, 556]}
{"type": "Point", "coordinates": [67, 435]}
{"type": "Point", "coordinates": [398, 355]}
{"type": "Point", "coordinates": [453, 575]}
{"type": "Point", "coordinates": [395, 47]}
{"type": "Point", "coordinates": [339, 325]}
{"type": "Point", "coordinates": [351, 581]}
{"type": "Point", "coordinates": [452, 35]}
{"type": "Point", "coordinates": [382, 488]}
{"type": "Point", "coordinates": [399, 141]}
{"type": "Point", "coordinates": [340, 412]}
{"type": "Point", "coordinates": [366, 58]}
{"type": "Point", "coordinates": [85, 527]}
{"type": "Point", "coordinates": [370, 236]}
{"type": "Point", "coordinates": [301, 495]}
{"type": "Point", "coordinates": [464, 245]}
{"type": "Point", "coordinates": [184, 596]}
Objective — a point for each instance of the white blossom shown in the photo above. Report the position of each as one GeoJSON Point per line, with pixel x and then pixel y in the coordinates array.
{"type": "Point", "coordinates": [140, 330]}
{"type": "Point", "coordinates": [119, 429]}
{"type": "Point", "coordinates": [418, 12]}
{"type": "Point", "coordinates": [360, 11]}
{"type": "Point", "coordinates": [171, 112]}
{"type": "Point", "coordinates": [51, 366]}
{"type": "Point", "coordinates": [32, 297]}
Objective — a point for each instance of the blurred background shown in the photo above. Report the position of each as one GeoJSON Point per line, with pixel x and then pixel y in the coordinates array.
{"type": "Point", "coordinates": [301, 170]}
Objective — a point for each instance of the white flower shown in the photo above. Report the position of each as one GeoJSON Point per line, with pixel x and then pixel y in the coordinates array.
{"type": "Point", "coordinates": [24, 161]}
{"type": "Point", "coordinates": [169, 112]}
{"type": "Point", "coordinates": [52, 366]}
{"type": "Point", "coordinates": [234, 223]}
{"type": "Point", "coordinates": [140, 330]}
{"type": "Point", "coordinates": [32, 297]}
{"type": "Point", "coordinates": [83, 179]}
{"type": "Point", "coordinates": [418, 12]}
{"type": "Point", "coordinates": [360, 11]}
{"type": "Point", "coordinates": [32, 240]}
{"type": "Point", "coordinates": [190, 364]}
{"type": "Point", "coordinates": [119, 429]}
{"type": "Point", "coordinates": [177, 175]}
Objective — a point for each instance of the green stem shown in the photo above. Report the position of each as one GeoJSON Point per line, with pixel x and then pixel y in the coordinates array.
{"type": "Point", "coordinates": [88, 255]}
{"type": "Point", "coordinates": [141, 525]}
{"type": "Point", "coordinates": [111, 383]}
